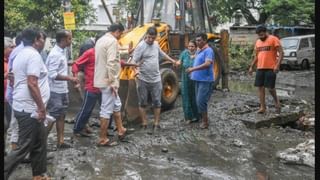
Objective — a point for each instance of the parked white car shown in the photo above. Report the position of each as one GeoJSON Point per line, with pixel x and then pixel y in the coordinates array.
{"type": "Point", "coordinates": [298, 51]}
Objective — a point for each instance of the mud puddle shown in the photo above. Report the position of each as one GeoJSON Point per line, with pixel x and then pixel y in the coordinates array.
{"type": "Point", "coordinates": [227, 150]}
{"type": "Point", "coordinates": [289, 84]}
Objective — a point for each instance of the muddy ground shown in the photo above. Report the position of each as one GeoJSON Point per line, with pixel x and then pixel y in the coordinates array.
{"type": "Point", "coordinates": [227, 150]}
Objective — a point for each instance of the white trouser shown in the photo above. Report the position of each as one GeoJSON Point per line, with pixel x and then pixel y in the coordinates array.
{"type": "Point", "coordinates": [109, 103]}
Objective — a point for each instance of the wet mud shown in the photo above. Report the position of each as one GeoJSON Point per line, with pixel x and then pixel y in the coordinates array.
{"type": "Point", "coordinates": [227, 150]}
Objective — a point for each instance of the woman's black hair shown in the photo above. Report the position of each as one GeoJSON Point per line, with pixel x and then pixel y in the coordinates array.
{"type": "Point", "coordinates": [193, 42]}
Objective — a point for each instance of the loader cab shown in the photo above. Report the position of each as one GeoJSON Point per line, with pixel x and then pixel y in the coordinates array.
{"type": "Point", "coordinates": [185, 18]}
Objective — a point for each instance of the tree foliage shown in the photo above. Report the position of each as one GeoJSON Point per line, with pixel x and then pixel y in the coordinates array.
{"type": "Point", "coordinates": [292, 12]}
{"type": "Point", "coordinates": [46, 14]}
{"type": "Point", "coordinates": [284, 12]}
{"type": "Point", "coordinates": [240, 56]}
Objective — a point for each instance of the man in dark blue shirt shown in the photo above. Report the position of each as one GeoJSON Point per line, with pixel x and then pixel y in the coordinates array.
{"type": "Point", "coordinates": [202, 74]}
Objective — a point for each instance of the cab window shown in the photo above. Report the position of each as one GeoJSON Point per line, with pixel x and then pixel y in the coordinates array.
{"type": "Point", "coordinates": [312, 41]}
{"type": "Point", "coordinates": [304, 43]}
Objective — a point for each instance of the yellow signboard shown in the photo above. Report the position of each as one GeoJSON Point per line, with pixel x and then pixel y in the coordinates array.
{"type": "Point", "coordinates": [69, 21]}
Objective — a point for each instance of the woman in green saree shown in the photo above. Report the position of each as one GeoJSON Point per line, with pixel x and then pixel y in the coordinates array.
{"type": "Point", "coordinates": [187, 85]}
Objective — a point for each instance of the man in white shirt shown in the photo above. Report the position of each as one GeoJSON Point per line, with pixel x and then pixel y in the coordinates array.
{"type": "Point", "coordinates": [58, 76]}
{"type": "Point", "coordinates": [31, 94]}
{"type": "Point", "coordinates": [106, 78]}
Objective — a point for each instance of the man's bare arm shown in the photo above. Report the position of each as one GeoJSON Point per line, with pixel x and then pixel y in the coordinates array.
{"type": "Point", "coordinates": [253, 62]}
{"type": "Point", "coordinates": [169, 58]}
{"type": "Point", "coordinates": [67, 78]}
{"type": "Point", "coordinates": [280, 51]}
{"type": "Point", "coordinates": [36, 95]}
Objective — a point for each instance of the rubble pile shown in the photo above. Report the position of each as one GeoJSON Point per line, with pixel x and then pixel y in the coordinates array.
{"type": "Point", "coordinates": [305, 122]}
{"type": "Point", "coordinates": [303, 153]}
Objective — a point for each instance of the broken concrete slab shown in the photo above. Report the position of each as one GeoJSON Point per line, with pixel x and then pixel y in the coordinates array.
{"type": "Point", "coordinates": [303, 153]}
{"type": "Point", "coordinates": [305, 123]}
{"type": "Point", "coordinates": [255, 120]}
{"type": "Point", "coordinates": [238, 143]}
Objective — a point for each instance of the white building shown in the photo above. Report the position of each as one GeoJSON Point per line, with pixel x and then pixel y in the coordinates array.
{"type": "Point", "coordinates": [232, 22]}
{"type": "Point", "coordinates": [102, 21]}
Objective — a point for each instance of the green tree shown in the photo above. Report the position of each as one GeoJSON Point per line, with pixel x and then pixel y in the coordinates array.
{"type": "Point", "coordinates": [292, 12]}
{"type": "Point", "coordinates": [285, 12]}
{"type": "Point", "coordinates": [46, 14]}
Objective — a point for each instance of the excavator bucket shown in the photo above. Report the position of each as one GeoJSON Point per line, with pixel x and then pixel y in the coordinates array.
{"type": "Point", "coordinates": [128, 94]}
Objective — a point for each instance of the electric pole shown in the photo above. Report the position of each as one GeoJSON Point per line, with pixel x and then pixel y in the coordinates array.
{"type": "Point", "coordinates": [67, 8]}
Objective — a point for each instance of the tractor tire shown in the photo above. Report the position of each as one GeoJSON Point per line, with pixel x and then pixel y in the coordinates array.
{"type": "Point", "coordinates": [305, 64]}
{"type": "Point", "coordinates": [170, 88]}
{"type": "Point", "coordinates": [218, 67]}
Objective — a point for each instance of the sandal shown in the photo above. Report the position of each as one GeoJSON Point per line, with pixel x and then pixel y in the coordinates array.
{"type": "Point", "coordinates": [126, 133]}
{"type": "Point", "coordinates": [204, 126]}
{"type": "Point", "coordinates": [109, 143]}
{"type": "Point", "coordinates": [63, 146]}
{"type": "Point", "coordinates": [192, 121]}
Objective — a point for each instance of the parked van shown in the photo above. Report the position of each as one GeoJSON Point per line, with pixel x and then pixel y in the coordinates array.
{"type": "Point", "coordinates": [298, 51]}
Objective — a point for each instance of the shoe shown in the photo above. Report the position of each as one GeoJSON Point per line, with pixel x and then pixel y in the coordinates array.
{"type": "Point", "coordinates": [64, 146]}
{"type": "Point", "coordinates": [204, 126]}
{"type": "Point", "coordinates": [191, 121]}
{"type": "Point", "coordinates": [82, 133]}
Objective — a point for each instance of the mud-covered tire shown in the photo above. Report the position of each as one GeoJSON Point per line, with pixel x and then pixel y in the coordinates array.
{"type": "Point", "coordinates": [170, 88]}
{"type": "Point", "coordinates": [218, 66]}
{"type": "Point", "coordinates": [305, 64]}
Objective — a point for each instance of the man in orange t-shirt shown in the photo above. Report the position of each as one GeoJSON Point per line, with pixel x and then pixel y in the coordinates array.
{"type": "Point", "coordinates": [267, 49]}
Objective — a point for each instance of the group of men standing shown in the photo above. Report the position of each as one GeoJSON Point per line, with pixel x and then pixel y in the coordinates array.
{"type": "Point", "coordinates": [31, 93]}
{"type": "Point", "coordinates": [38, 86]}
{"type": "Point", "coordinates": [41, 87]}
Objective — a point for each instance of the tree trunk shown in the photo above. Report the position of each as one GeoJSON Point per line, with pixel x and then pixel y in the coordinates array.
{"type": "Point", "coordinates": [224, 52]}
{"type": "Point", "coordinates": [263, 18]}
{"type": "Point", "coordinates": [249, 17]}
